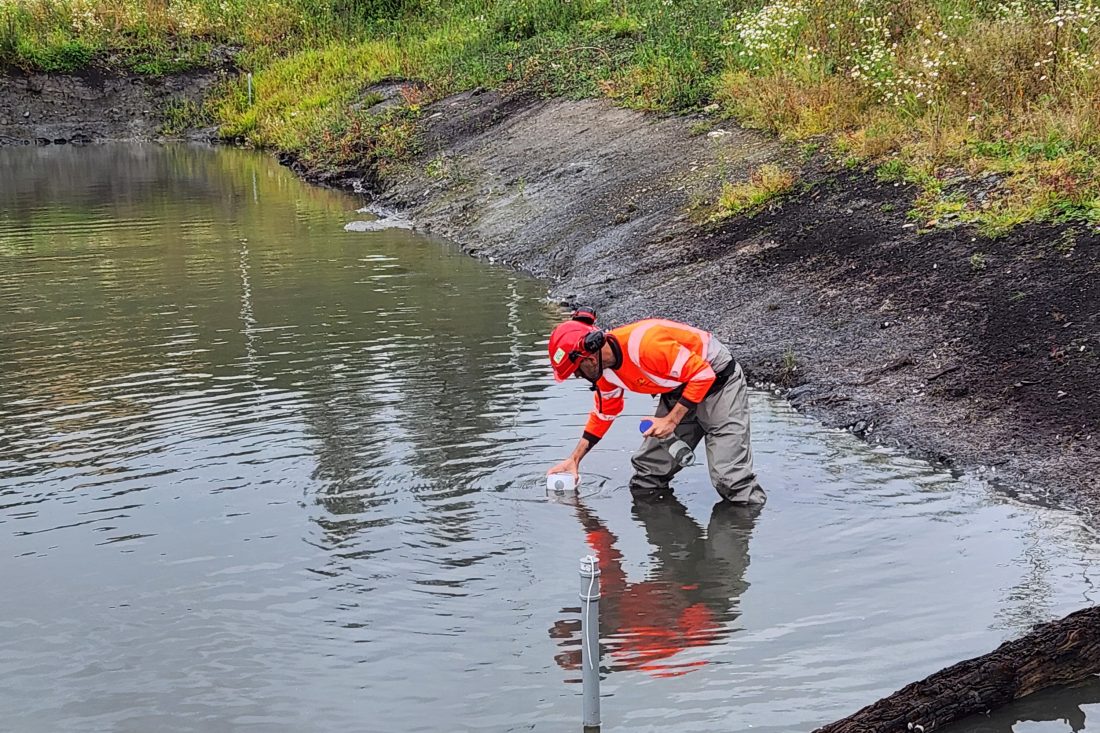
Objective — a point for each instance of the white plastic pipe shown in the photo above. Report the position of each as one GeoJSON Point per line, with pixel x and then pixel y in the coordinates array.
{"type": "Point", "coordinates": [590, 642]}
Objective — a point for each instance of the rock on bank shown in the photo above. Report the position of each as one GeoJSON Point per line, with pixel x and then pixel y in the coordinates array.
{"type": "Point", "coordinates": [980, 354]}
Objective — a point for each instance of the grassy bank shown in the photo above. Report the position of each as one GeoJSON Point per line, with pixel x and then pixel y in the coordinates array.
{"type": "Point", "coordinates": [991, 108]}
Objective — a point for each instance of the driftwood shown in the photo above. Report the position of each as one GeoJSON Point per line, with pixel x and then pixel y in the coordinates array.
{"type": "Point", "coordinates": [1056, 653]}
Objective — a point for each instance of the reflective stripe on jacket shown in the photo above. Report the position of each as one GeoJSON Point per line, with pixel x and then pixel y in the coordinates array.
{"type": "Point", "coordinates": [658, 356]}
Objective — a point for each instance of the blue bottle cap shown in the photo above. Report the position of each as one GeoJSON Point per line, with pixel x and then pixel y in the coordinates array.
{"type": "Point", "coordinates": [645, 425]}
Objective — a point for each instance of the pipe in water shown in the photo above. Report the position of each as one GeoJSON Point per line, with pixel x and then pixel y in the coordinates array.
{"type": "Point", "coordinates": [590, 647]}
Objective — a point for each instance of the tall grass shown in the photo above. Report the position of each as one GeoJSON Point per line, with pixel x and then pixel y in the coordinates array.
{"type": "Point", "coordinates": [935, 92]}
{"type": "Point", "coordinates": [940, 89]}
{"type": "Point", "coordinates": [298, 96]}
{"type": "Point", "coordinates": [33, 33]}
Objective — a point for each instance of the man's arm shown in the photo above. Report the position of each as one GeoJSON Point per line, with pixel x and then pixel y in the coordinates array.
{"type": "Point", "coordinates": [573, 462]}
{"type": "Point", "coordinates": [608, 405]}
{"type": "Point", "coordinates": [672, 360]}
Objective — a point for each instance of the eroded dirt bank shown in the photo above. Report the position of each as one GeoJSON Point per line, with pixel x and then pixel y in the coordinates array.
{"type": "Point", "coordinates": [93, 106]}
{"type": "Point", "coordinates": [979, 354]}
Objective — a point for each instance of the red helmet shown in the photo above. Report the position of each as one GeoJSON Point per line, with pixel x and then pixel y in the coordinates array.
{"type": "Point", "coordinates": [567, 344]}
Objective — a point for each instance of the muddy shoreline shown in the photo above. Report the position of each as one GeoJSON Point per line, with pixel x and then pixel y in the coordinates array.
{"type": "Point", "coordinates": [978, 355]}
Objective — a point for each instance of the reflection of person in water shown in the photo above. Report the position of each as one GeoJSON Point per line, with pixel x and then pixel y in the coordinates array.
{"type": "Point", "coordinates": [688, 600]}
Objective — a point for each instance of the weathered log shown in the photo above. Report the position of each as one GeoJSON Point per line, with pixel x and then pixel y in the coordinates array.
{"type": "Point", "coordinates": [1056, 653]}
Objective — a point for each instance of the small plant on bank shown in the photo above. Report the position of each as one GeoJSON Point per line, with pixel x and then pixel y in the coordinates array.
{"type": "Point", "coordinates": [765, 184]}
{"type": "Point", "coordinates": [448, 169]}
{"type": "Point", "coordinates": [789, 368]}
{"type": "Point", "coordinates": [357, 139]}
{"type": "Point", "coordinates": [68, 56]}
{"type": "Point", "coordinates": [183, 115]}
{"type": "Point", "coordinates": [169, 60]}
{"type": "Point", "coordinates": [702, 127]}
{"type": "Point", "coordinates": [436, 168]}
{"type": "Point", "coordinates": [978, 262]}
{"type": "Point", "coordinates": [1066, 243]}
{"type": "Point", "coordinates": [892, 170]}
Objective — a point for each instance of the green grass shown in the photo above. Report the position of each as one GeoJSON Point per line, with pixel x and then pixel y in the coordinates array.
{"type": "Point", "coordinates": [928, 90]}
{"type": "Point", "coordinates": [765, 184]}
{"type": "Point", "coordinates": [297, 97]}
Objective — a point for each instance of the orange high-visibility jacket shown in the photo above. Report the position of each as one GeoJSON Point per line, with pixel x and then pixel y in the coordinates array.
{"type": "Point", "coordinates": [658, 357]}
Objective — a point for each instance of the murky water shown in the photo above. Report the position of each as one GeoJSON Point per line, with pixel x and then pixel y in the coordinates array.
{"type": "Point", "coordinates": [259, 473]}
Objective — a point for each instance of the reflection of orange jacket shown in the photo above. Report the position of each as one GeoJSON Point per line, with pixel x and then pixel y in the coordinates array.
{"type": "Point", "coordinates": [648, 622]}
{"type": "Point", "coordinates": [657, 357]}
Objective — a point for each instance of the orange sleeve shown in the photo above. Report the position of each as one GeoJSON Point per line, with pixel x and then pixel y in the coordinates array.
{"type": "Point", "coordinates": [698, 375]}
{"type": "Point", "coordinates": [609, 401]}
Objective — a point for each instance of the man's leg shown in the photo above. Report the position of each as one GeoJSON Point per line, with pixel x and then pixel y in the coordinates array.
{"type": "Point", "coordinates": [724, 417]}
{"type": "Point", "coordinates": [653, 464]}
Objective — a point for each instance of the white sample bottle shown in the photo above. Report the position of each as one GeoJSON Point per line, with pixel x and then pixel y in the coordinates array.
{"type": "Point", "coordinates": [560, 484]}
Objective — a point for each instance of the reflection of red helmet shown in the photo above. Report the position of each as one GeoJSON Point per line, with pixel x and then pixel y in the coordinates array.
{"type": "Point", "coordinates": [567, 347]}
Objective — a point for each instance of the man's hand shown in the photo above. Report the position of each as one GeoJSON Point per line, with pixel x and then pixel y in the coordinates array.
{"type": "Point", "coordinates": [569, 465]}
{"type": "Point", "coordinates": [662, 427]}
{"type": "Point", "coordinates": [573, 462]}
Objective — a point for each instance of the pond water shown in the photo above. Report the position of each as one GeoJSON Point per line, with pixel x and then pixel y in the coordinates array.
{"type": "Point", "coordinates": [261, 473]}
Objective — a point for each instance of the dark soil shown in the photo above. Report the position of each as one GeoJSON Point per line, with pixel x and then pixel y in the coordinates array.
{"type": "Point", "coordinates": [94, 105]}
{"type": "Point", "coordinates": [969, 351]}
